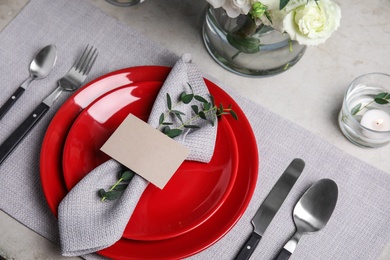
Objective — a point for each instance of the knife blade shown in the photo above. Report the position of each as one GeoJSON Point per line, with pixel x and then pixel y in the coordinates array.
{"type": "Point", "coordinates": [270, 206]}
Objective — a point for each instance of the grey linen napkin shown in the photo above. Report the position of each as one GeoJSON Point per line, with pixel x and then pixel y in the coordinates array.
{"type": "Point", "coordinates": [87, 224]}
{"type": "Point", "coordinates": [358, 229]}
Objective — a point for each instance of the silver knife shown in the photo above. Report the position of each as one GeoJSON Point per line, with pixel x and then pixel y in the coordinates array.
{"type": "Point", "coordinates": [270, 206]}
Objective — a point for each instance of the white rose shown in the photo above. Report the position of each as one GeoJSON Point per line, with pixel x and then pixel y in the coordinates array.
{"type": "Point", "coordinates": [233, 8]}
{"type": "Point", "coordinates": [312, 23]}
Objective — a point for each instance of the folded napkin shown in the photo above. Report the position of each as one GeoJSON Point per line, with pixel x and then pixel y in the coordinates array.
{"type": "Point", "coordinates": [88, 225]}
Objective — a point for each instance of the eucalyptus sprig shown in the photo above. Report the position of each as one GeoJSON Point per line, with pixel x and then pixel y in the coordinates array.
{"type": "Point", "coordinates": [381, 99]}
{"type": "Point", "coordinates": [206, 110]}
{"type": "Point", "coordinates": [117, 189]}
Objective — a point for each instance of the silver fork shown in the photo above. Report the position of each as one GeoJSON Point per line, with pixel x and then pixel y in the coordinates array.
{"type": "Point", "coordinates": [71, 81]}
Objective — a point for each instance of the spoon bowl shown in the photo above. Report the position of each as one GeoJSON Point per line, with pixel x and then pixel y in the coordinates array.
{"type": "Point", "coordinates": [43, 62]}
{"type": "Point", "coordinates": [312, 212]}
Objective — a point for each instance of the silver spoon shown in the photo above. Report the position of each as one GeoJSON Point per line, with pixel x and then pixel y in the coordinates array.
{"type": "Point", "coordinates": [311, 213]}
{"type": "Point", "coordinates": [40, 67]}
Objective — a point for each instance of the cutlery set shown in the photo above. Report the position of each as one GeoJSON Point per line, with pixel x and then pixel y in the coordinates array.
{"type": "Point", "coordinates": [41, 67]}
{"type": "Point", "coordinates": [311, 213]}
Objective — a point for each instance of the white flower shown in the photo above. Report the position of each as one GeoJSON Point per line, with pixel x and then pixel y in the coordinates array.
{"type": "Point", "coordinates": [233, 8]}
{"type": "Point", "coordinates": [310, 22]}
{"type": "Point", "coordinates": [313, 22]}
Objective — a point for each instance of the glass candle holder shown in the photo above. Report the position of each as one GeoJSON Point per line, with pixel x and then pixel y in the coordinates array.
{"type": "Point", "coordinates": [365, 114]}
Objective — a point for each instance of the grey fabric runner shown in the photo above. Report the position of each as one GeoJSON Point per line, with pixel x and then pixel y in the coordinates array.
{"type": "Point", "coordinates": [358, 229]}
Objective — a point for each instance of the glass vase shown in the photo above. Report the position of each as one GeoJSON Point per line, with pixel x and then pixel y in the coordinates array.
{"type": "Point", "coordinates": [248, 49]}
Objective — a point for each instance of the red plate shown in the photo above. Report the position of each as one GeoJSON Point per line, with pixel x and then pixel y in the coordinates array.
{"type": "Point", "coordinates": [181, 246]}
{"type": "Point", "coordinates": [193, 194]}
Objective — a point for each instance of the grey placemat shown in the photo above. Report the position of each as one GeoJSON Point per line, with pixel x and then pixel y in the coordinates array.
{"type": "Point", "coordinates": [358, 229]}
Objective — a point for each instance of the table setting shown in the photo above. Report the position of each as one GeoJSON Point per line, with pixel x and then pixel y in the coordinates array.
{"type": "Point", "coordinates": [247, 182]}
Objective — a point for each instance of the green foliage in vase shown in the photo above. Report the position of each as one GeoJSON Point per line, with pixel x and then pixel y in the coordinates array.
{"type": "Point", "coordinates": [242, 38]}
{"type": "Point", "coordinates": [245, 37]}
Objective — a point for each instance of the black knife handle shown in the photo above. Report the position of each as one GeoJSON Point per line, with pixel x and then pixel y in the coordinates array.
{"type": "Point", "coordinates": [249, 247]}
{"type": "Point", "coordinates": [14, 139]}
{"type": "Point", "coordinates": [8, 104]}
{"type": "Point", "coordinates": [283, 255]}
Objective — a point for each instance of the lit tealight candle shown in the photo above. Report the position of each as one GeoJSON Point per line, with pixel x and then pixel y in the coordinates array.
{"type": "Point", "coordinates": [376, 119]}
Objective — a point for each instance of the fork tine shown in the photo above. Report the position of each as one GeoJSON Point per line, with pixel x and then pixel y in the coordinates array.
{"type": "Point", "coordinates": [85, 60]}
{"type": "Point", "coordinates": [81, 59]}
{"type": "Point", "coordinates": [69, 82]}
{"type": "Point", "coordinates": [89, 61]}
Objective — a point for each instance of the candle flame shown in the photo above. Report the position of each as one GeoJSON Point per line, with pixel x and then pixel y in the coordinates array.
{"type": "Point", "coordinates": [379, 121]}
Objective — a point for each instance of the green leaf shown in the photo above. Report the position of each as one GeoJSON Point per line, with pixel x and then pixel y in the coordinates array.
{"type": "Point", "coordinates": [212, 100]}
{"type": "Point", "coordinates": [195, 109]}
{"type": "Point", "coordinates": [173, 132]}
{"type": "Point", "coordinates": [127, 175]}
{"type": "Point", "coordinates": [220, 109]}
{"type": "Point", "coordinates": [202, 115]}
{"type": "Point", "coordinates": [121, 187]}
{"type": "Point", "coordinates": [187, 98]}
{"type": "Point", "coordinates": [102, 193]}
{"type": "Point", "coordinates": [192, 126]}
{"type": "Point", "coordinates": [167, 123]}
{"type": "Point", "coordinates": [381, 101]}
{"type": "Point", "coordinates": [177, 112]}
{"type": "Point", "coordinates": [356, 109]}
{"type": "Point", "coordinates": [207, 106]}
{"type": "Point", "coordinates": [165, 129]}
{"type": "Point", "coordinates": [383, 95]}
{"type": "Point", "coordinates": [161, 119]}
{"type": "Point", "coordinates": [267, 14]}
{"type": "Point", "coordinates": [245, 44]}
{"type": "Point", "coordinates": [169, 102]}
{"type": "Point", "coordinates": [234, 115]}
{"type": "Point", "coordinates": [112, 195]}
{"type": "Point", "coordinates": [189, 85]}
{"type": "Point", "coordinates": [283, 3]}
{"type": "Point", "coordinates": [200, 99]}
{"type": "Point", "coordinates": [179, 117]}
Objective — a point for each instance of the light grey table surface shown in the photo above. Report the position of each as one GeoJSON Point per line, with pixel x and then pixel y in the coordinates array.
{"type": "Point", "coordinates": [311, 100]}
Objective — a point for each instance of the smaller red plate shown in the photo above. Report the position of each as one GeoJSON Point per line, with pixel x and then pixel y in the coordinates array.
{"type": "Point", "coordinates": [192, 195]}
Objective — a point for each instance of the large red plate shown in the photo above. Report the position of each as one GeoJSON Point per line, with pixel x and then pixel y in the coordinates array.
{"type": "Point", "coordinates": [193, 194]}
{"type": "Point", "coordinates": [178, 247]}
